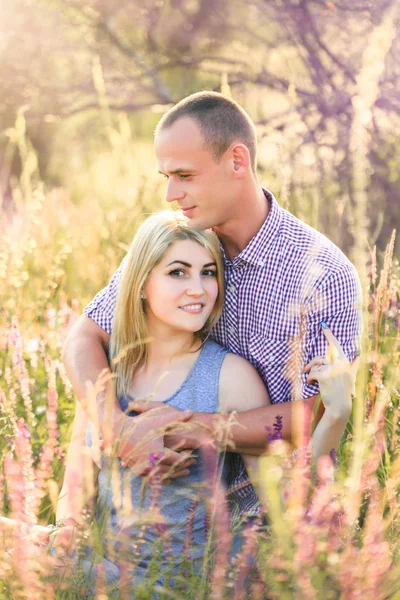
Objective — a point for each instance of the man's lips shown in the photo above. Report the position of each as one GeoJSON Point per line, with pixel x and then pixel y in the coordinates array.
{"type": "Point", "coordinates": [188, 209]}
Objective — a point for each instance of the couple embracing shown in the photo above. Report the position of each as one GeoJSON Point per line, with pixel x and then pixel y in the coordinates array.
{"type": "Point", "coordinates": [226, 306]}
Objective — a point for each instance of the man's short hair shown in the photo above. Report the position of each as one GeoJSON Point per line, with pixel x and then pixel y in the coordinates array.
{"type": "Point", "coordinates": [222, 121]}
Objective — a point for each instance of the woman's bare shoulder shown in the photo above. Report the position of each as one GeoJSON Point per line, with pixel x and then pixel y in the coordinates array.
{"type": "Point", "coordinates": [240, 385]}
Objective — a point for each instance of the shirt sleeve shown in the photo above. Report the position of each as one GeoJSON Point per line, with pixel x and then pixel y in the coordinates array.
{"type": "Point", "coordinates": [101, 308]}
{"type": "Point", "coordinates": [339, 304]}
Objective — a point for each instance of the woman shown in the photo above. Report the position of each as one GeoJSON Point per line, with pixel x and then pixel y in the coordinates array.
{"type": "Point", "coordinates": [170, 296]}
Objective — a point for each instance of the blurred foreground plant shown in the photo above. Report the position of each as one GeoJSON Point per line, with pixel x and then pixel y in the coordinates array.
{"type": "Point", "coordinates": [324, 535]}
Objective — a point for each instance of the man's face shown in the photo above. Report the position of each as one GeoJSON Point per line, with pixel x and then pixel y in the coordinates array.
{"type": "Point", "coordinates": [204, 189]}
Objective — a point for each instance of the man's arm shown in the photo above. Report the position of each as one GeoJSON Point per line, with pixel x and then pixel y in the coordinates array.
{"type": "Point", "coordinates": [85, 359]}
{"type": "Point", "coordinates": [85, 354]}
{"type": "Point", "coordinates": [250, 434]}
{"type": "Point", "coordinates": [297, 418]}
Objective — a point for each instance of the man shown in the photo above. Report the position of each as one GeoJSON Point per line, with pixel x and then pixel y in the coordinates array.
{"type": "Point", "coordinates": [282, 278]}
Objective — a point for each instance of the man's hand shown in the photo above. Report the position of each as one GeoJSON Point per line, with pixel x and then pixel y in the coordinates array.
{"type": "Point", "coordinates": [195, 431]}
{"type": "Point", "coordinates": [140, 440]}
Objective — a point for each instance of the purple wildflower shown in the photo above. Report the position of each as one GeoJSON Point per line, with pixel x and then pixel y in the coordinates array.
{"type": "Point", "coordinates": [206, 524]}
{"type": "Point", "coordinates": [189, 541]}
{"type": "Point", "coordinates": [334, 458]}
{"type": "Point", "coordinates": [154, 458]}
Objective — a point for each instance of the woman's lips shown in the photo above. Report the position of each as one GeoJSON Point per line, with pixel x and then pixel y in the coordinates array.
{"type": "Point", "coordinates": [193, 308]}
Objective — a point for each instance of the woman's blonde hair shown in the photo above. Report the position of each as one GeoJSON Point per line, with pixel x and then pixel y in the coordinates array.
{"type": "Point", "coordinates": [130, 337]}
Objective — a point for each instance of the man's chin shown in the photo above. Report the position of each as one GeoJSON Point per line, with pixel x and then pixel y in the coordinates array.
{"type": "Point", "coordinates": [198, 223]}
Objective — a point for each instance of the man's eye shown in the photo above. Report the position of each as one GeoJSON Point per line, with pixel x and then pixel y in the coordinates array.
{"type": "Point", "coordinates": [177, 273]}
{"type": "Point", "coordinates": [210, 272]}
{"type": "Point", "coordinates": [184, 176]}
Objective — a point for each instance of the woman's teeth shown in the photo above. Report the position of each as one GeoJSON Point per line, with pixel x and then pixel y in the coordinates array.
{"type": "Point", "coordinates": [192, 307]}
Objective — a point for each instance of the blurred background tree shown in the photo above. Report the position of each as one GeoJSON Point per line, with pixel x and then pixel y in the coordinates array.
{"type": "Point", "coordinates": [91, 75]}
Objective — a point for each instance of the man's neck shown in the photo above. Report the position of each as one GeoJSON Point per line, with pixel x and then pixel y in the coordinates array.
{"type": "Point", "coordinates": [237, 233]}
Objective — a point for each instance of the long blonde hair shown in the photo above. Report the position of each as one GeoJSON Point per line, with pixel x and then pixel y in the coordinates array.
{"type": "Point", "coordinates": [130, 338]}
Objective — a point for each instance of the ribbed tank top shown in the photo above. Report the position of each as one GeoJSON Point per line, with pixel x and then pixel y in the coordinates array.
{"type": "Point", "coordinates": [124, 499]}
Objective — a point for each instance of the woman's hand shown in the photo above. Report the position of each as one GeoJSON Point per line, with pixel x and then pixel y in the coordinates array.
{"type": "Point", "coordinates": [63, 543]}
{"type": "Point", "coordinates": [335, 376]}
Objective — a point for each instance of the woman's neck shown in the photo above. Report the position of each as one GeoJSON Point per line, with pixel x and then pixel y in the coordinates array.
{"type": "Point", "coordinates": [162, 349]}
{"type": "Point", "coordinates": [169, 362]}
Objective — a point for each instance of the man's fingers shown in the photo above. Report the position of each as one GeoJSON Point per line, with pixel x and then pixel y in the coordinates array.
{"type": "Point", "coordinates": [175, 474]}
{"type": "Point", "coordinates": [186, 415]}
{"type": "Point", "coordinates": [142, 406]}
{"type": "Point", "coordinates": [177, 458]}
{"type": "Point", "coordinates": [173, 444]}
{"type": "Point", "coordinates": [153, 407]}
{"type": "Point", "coordinates": [168, 457]}
{"type": "Point", "coordinates": [170, 464]}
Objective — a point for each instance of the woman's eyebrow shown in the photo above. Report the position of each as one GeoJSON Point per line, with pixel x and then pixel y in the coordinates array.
{"type": "Point", "coordinates": [181, 262]}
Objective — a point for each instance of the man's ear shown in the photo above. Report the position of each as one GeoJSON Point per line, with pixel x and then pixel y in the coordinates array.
{"type": "Point", "coordinates": [241, 160]}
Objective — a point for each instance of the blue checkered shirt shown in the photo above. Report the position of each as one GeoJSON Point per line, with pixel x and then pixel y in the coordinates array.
{"type": "Point", "coordinates": [277, 291]}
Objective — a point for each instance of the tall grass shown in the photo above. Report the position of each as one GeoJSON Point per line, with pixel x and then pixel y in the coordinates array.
{"type": "Point", "coordinates": [331, 534]}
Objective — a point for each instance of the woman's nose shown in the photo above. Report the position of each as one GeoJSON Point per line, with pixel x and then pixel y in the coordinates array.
{"type": "Point", "coordinates": [195, 287]}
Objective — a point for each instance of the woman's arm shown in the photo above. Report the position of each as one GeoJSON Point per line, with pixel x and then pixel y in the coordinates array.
{"type": "Point", "coordinates": [336, 378]}
{"type": "Point", "coordinates": [77, 498]}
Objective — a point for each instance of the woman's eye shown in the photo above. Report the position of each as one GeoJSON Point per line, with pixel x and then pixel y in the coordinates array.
{"type": "Point", "coordinates": [210, 273]}
{"type": "Point", "coordinates": [177, 273]}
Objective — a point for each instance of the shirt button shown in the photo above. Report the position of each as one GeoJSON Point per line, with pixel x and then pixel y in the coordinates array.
{"type": "Point", "coordinates": [232, 288]}
{"type": "Point", "coordinates": [232, 330]}
{"type": "Point", "coordinates": [261, 263]}
{"type": "Point", "coordinates": [270, 358]}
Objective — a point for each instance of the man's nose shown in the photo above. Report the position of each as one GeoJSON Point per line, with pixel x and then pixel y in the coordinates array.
{"type": "Point", "coordinates": [174, 190]}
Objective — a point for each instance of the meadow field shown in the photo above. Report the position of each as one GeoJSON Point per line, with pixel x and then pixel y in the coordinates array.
{"type": "Point", "coordinates": [77, 177]}
{"type": "Point", "coordinates": [325, 537]}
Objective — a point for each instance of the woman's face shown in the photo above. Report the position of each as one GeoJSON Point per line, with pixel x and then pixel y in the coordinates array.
{"type": "Point", "coordinates": [181, 290]}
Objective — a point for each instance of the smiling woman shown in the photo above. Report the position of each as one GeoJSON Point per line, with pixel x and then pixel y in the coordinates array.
{"type": "Point", "coordinates": [171, 294]}
{"type": "Point", "coordinates": [170, 267]}
{"type": "Point", "coordinates": [181, 295]}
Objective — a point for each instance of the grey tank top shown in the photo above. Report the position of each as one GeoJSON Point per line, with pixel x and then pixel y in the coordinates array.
{"type": "Point", "coordinates": [175, 513]}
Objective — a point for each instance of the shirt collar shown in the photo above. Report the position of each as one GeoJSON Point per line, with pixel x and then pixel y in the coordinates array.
{"type": "Point", "coordinates": [256, 250]}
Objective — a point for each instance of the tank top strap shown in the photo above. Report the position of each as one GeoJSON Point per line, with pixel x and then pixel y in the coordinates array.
{"type": "Point", "coordinates": [200, 390]}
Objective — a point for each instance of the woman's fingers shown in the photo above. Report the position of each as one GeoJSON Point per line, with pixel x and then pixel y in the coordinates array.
{"type": "Point", "coordinates": [335, 350]}
{"type": "Point", "coordinates": [316, 361]}
{"type": "Point", "coordinates": [333, 356]}
{"type": "Point", "coordinates": [318, 372]}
